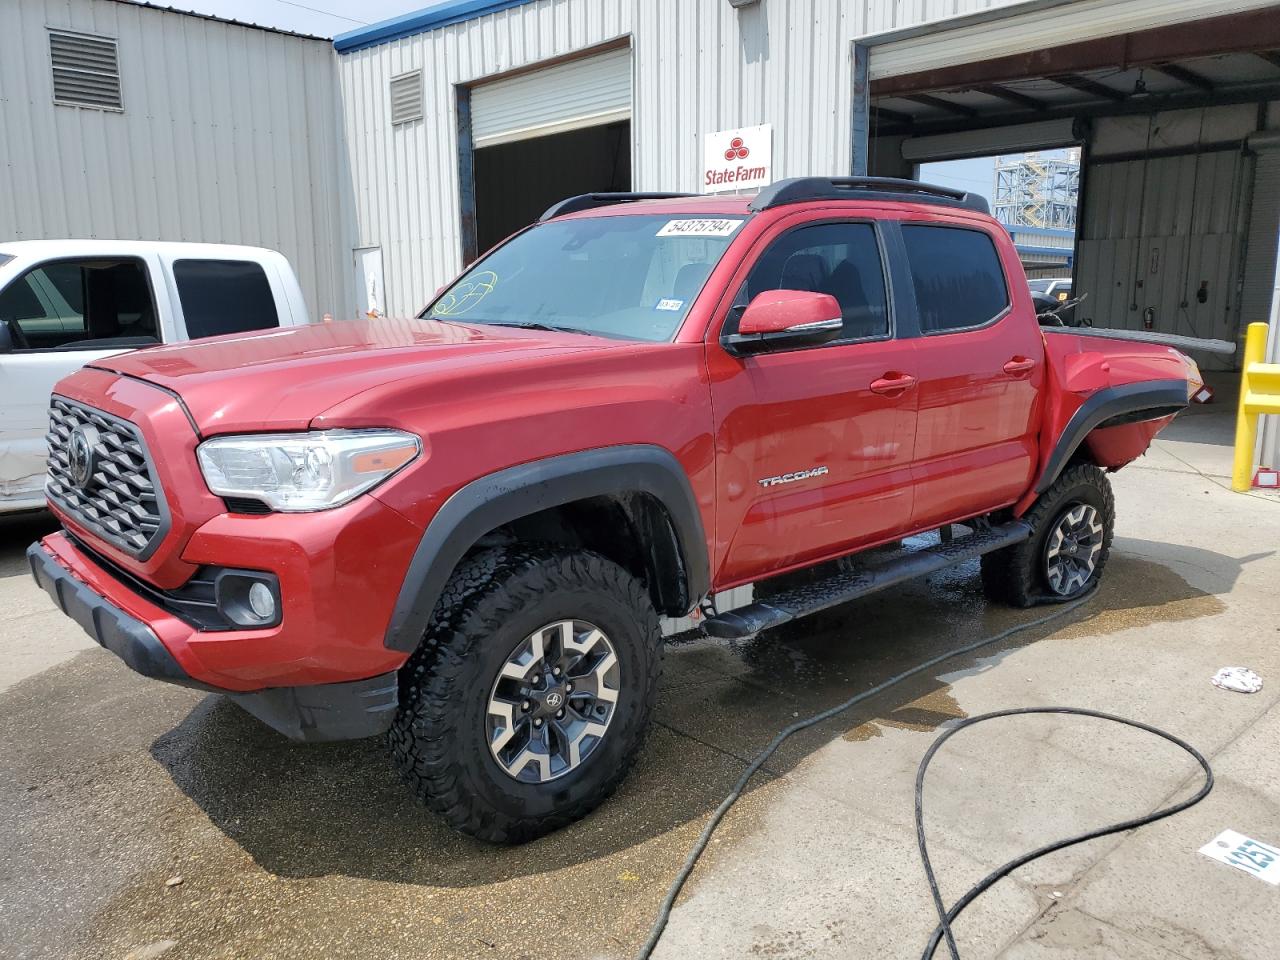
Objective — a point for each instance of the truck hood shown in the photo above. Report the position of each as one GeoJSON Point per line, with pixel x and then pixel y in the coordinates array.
{"type": "Point", "coordinates": [283, 379]}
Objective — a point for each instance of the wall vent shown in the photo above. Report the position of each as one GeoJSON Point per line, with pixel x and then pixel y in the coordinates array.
{"type": "Point", "coordinates": [406, 97]}
{"type": "Point", "coordinates": [86, 70]}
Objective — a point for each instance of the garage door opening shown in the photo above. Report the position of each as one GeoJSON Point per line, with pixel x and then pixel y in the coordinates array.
{"type": "Point", "coordinates": [537, 135]}
{"type": "Point", "coordinates": [517, 181]}
{"type": "Point", "coordinates": [1177, 107]}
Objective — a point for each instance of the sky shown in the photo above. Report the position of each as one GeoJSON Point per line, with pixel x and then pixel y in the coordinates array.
{"type": "Point", "coordinates": [321, 18]}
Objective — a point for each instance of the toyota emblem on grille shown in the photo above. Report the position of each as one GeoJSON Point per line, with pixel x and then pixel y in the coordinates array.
{"type": "Point", "coordinates": [81, 456]}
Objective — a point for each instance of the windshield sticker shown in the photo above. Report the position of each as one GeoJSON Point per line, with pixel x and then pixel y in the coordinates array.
{"type": "Point", "coordinates": [700, 227]}
{"type": "Point", "coordinates": [669, 304]}
{"type": "Point", "coordinates": [466, 294]}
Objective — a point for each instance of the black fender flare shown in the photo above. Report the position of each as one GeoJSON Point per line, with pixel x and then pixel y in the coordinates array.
{"type": "Point", "coordinates": [1127, 402]}
{"type": "Point", "coordinates": [499, 498]}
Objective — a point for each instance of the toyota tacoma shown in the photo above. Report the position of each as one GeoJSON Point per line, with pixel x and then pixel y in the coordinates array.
{"type": "Point", "coordinates": [463, 530]}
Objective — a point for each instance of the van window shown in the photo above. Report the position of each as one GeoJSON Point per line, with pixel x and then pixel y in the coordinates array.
{"type": "Point", "coordinates": [224, 296]}
{"type": "Point", "coordinates": [840, 259]}
{"type": "Point", "coordinates": [957, 276]}
{"type": "Point", "coordinates": [81, 305]}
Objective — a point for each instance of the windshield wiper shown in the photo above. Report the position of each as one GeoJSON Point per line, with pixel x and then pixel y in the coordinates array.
{"type": "Point", "coordinates": [530, 325]}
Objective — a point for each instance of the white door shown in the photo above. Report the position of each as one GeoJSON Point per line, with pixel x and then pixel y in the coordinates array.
{"type": "Point", "coordinates": [59, 316]}
{"type": "Point", "coordinates": [370, 292]}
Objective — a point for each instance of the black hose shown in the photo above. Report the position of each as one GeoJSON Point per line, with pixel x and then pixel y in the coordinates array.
{"type": "Point", "coordinates": [945, 916]}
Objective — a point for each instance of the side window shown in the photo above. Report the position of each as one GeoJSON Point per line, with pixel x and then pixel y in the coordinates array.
{"type": "Point", "coordinates": [81, 304]}
{"type": "Point", "coordinates": [842, 259]}
{"type": "Point", "coordinates": [224, 296]}
{"type": "Point", "coordinates": [958, 279]}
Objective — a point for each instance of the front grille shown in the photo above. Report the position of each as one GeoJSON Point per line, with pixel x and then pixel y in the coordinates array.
{"type": "Point", "coordinates": [112, 492]}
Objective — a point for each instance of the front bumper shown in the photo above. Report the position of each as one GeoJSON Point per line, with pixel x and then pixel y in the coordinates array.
{"type": "Point", "coordinates": [129, 639]}
{"type": "Point", "coordinates": [313, 713]}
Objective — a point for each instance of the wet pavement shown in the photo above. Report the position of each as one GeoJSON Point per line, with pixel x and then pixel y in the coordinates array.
{"type": "Point", "coordinates": [113, 787]}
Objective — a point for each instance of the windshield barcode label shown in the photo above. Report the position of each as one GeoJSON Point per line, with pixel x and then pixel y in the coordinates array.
{"type": "Point", "coordinates": [699, 228]}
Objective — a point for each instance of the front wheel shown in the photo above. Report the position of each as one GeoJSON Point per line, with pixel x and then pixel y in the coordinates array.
{"type": "Point", "coordinates": [528, 700]}
{"type": "Point", "coordinates": [1072, 525]}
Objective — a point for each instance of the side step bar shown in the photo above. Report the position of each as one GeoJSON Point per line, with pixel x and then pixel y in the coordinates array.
{"type": "Point", "coordinates": [810, 598]}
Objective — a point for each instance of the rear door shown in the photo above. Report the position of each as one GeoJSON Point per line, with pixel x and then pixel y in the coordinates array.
{"type": "Point", "coordinates": [813, 454]}
{"type": "Point", "coordinates": [980, 360]}
{"type": "Point", "coordinates": [220, 296]}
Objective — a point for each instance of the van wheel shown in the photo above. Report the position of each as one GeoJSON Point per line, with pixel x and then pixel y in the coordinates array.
{"type": "Point", "coordinates": [1072, 525]}
{"type": "Point", "coordinates": [527, 702]}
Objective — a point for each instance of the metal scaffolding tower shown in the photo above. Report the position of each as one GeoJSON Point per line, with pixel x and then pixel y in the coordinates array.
{"type": "Point", "coordinates": [1037, 190]}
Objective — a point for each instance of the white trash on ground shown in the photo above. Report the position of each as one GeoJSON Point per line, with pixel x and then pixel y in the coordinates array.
{"type": "Point", "coordinates": [1239, 679]}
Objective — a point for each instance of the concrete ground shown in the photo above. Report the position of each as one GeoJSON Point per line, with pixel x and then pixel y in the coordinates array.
{"type": "Point", "coordinates": [113, 787]}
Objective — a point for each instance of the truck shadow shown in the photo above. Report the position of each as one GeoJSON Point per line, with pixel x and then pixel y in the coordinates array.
{"type": "Point", "coordinates": [312, 810]}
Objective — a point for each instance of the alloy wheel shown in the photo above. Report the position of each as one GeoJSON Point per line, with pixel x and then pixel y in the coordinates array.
{"type": "Point", "coordinates": [553, 701]}
{"type": "Point", "coordinates": [1072, 549]}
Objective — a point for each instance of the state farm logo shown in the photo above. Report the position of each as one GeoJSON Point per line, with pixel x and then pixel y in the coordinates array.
{"type": "Point", "coordinates": [737, 159]}
{"type": "Point", "coordinates": [737, 150]}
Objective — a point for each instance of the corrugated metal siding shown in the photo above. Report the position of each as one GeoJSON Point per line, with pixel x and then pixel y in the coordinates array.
{"type": "Point", "coordinates": [228, 135]}
{"type": "Point", "coordinates": [698, 67]}
{"type": "Point", "coordinates": [1155, 253]}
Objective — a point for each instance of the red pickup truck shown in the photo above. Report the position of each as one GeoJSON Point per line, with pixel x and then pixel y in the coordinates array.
{"type": "Point", "coordinates": [464, 529]}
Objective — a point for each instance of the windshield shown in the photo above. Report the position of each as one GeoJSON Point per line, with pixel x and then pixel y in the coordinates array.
{"type": "Point", "coordinates": [633, 277]}
{"type": "Point", "coordinates": [1039, 286]}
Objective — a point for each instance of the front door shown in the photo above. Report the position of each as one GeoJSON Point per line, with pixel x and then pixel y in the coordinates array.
{"type": "Point", "coordinates": [814, 445]}
{"type": "Point", "coordinates": [60, 315]}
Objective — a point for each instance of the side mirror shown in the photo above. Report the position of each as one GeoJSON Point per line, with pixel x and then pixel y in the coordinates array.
{"type": "Point", "coordinates": [783, 319]}
{"type": "Point", "coordinates": [6, 338]}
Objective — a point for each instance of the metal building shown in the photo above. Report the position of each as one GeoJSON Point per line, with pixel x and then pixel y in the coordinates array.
{"type": "Point", "coordinates": [133, 122]}
{"type": "Point", "coordinates": [465, 119]}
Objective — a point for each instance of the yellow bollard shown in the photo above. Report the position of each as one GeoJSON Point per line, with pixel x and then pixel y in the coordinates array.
{"type": "Point", "coordinates": [1259, 393]}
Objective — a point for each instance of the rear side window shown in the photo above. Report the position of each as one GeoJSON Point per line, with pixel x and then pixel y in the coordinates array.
{"type": "Point", "coordinates": [841, 259]}
{"type": "Point", "coordinates": [224, 296]}
{"type": "Point", "coordinates": [958, 280]}
{"type": "Point", "coordinates": [80, 305]}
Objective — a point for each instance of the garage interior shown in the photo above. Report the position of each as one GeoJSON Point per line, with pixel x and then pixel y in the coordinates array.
{"type": "Point", "coordinates": [1180, 171]}
{"type": "Point", "coordinates": [538, 136]}
{"type": "Point", "coordinates": [517, 181]}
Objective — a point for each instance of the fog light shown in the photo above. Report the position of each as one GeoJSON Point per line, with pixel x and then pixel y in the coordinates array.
{"type": "Point", "coordinates": [261, 602]}
{"type": "Point", "coordinates": [248, 598]}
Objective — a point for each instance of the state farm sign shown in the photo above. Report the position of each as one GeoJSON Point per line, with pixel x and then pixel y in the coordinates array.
{"type": "Point", "coordinates": [737, 159]}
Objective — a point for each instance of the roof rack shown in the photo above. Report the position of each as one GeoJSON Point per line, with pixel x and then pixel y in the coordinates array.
{"type": "Point", "coordinates": [800, 189]}
{"type": "Point", "coordinates": [588, 201]}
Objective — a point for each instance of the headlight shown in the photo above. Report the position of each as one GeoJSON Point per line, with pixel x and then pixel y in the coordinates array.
{"type": "Point", "coordinates": [297, 472]}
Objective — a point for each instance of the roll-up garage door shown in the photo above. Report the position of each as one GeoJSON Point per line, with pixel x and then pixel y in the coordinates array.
{"type": "Point", "coordinates": [991, 141]}
{"type": "Point", "coordinates": [581, 93]}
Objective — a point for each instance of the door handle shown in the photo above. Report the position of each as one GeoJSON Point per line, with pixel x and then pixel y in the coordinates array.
{"type": "Point", "coordinates": [1019, 365]}
{"type": "Point", "coordinates": [893, 384]}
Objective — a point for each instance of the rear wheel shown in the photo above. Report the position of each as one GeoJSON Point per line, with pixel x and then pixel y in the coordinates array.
{"type": "Point", "coordinates": [1072, 526]}
{"type": "Point", "coordinates": [528, 700]}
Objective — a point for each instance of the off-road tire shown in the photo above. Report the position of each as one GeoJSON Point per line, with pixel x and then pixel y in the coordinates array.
{"type": "Point", "coordinates": [1017, 575]}
{"type": "Point", "coordinates": [493, 601]}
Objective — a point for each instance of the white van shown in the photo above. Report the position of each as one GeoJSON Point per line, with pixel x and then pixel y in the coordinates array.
{"type": "Point", "coordinates": [64, 303]}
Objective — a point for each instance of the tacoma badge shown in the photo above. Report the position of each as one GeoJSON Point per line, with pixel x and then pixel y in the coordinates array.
{"type": "Point", "coordinates": [793, 477]}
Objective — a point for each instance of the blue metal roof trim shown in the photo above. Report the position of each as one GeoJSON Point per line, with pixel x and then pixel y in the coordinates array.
{"type": "Point", "coordinates": [432, 18]}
